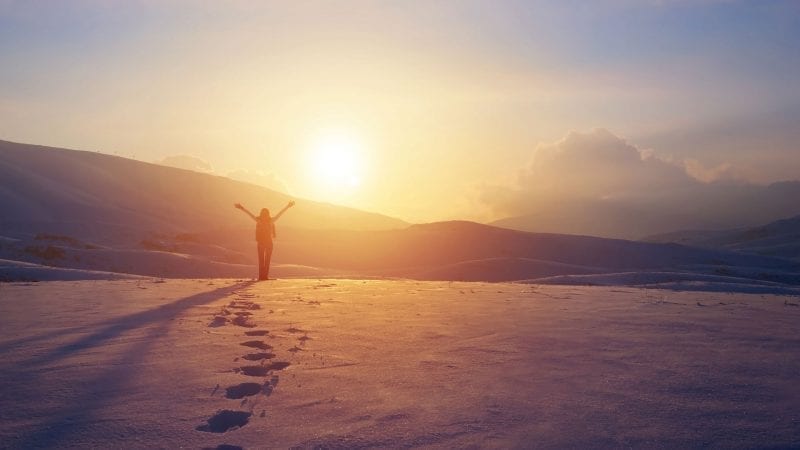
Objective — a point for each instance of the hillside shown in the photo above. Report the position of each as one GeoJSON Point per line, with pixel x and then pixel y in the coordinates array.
{"type": "Point", "coordinates": [463, 251]}
{"type": "Point", "coordinates": [779, 238]}
{"type": "Point", "coordinates": [717, 206]}
{"type": "Point", "coordinates": [102, 215]}
{"type": "Point", "coordinates": [436, 244]}
{"type": "Point", "coordinates": [67, 191]}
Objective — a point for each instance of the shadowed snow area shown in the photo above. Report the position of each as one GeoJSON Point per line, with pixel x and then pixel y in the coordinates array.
{"type": "Point", "coordinates": [377, 363]}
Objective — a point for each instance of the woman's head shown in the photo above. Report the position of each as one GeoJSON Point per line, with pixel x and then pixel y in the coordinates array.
{"type": "Point", "coordinates": [264, 213]}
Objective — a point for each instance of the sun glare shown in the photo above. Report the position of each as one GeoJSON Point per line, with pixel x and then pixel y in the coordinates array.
{"type": "Point", "coordinates": [337, 160]}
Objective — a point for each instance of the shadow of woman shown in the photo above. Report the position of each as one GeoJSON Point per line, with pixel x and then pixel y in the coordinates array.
{"type": "Point", "coordinates": [80, 411]}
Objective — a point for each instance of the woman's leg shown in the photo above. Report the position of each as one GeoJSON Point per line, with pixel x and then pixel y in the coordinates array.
{"type": "Point", "coordinates": [262, 269]}
{"type": "Point", "coordinates": [267, 259]}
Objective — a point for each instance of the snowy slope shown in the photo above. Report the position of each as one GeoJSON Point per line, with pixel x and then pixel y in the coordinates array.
{"type": "Point", "coordinates": [439, 251]}
{"type": "Point", "coordinates": [779, 238]}
{"type": "Point", "coordinates": [99, 213]}
{"type": "Point", "coordinates": [718, 206]}
{"type": "Point", "coordinates": [59, 190]}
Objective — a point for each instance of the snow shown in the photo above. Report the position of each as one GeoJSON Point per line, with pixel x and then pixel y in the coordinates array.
{"type": "Point", "coordinates": [22, 271]}
{"type": "Point", "coordinates": [780, 238]}
{"type": "Point", "coordinates": [62, 188]}
{"type": "Point", "coordinates": [11, 270]}
{"type": "Point", "coordinates": [393, 363]}
{"type": "Point", "coordinates": [444, 251]}
{"type": "Point", "coordinates": [682, 281]}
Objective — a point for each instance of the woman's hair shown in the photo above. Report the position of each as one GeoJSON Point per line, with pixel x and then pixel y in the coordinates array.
{"type": "Point", "coordinates": [264, 213]}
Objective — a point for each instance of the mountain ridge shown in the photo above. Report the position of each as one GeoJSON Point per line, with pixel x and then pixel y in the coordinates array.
{"type": "Point", "coordinates": [718, 206]}
{"type": "Point", "coordinates": [47, 184]}
{"type": "Point", "coordinates": [777, 238]}
{"type": "Point", "coordinates": [100, 213]}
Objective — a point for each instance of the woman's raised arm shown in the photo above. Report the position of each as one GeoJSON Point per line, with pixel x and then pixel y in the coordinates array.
{"type": "Point", "coordinates": [244, 210]}
{"type": "Point", "coordinates": [278, 216]}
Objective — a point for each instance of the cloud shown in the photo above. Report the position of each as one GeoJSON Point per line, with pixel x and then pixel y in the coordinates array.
{"type": "Point", "coordinates": [598, 183]}
{"type": "Point", "coordinates": [721, 172]}
{"type": "Point", "coordinates": [187, 162]}
{"type": "Point", "coordinates": [599, 164]}
{"type": "Point", "coordinates": [760, 147]}
{"type": "Point", "coordinates": [593, 165]}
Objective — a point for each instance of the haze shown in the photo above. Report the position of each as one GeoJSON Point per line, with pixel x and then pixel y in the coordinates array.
{"type": "Point", "coordinates": [399, 224]}
{"type": "Point", "coordinates": [450, 103]}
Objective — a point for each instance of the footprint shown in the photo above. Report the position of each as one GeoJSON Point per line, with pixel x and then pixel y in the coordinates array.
{"type": "Point", "coordinates": [243, 305]}
{"type": "Point", "coordinates": [257, 344]}
{"type": "Point", "coordinates": [242, 390]}
{"type": "Point", "coordinates": [244, 321]}
{"type": "Point", "coordinates": [253, 371]}
{"type": "Point", "coordinates": [278, 365]}
{"type": "Point", "coordinates": [258, 356]}
{"type": "Point", "coordinates": [262, 371]}
{"type": "Point", "coordinates": [295, 330]}
{"type": "Point", "coordinates": [257, 333]}
{"type": "Point", "coordinates": [225, 420]}
{"type": "Point", "coordinates": [218, 321]}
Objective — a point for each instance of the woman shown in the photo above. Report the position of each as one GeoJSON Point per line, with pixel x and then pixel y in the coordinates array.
{"type": "Point", "coordinates": [265, 231]}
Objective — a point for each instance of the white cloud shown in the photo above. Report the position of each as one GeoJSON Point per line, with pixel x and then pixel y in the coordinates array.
{"type": "Point", "coordinates": [597, 183]}
{"type": "Point", "coordinates": [721, 172]}
{"type": "Point", "coordinates": [599, 163]}
{"type": "Point", "coordinates": [593, 165]}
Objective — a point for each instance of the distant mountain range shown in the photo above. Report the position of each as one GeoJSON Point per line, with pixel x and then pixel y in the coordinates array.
{"type": "Point", "coordinates": [716, 206]}
{"type": "Point", "coordinates": [779, 238]}
{"type": "Point", "coordinates": [70, 214]}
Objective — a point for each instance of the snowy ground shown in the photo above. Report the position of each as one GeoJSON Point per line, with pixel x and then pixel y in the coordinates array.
{"type": "Point", "coordinates": [146, 363]}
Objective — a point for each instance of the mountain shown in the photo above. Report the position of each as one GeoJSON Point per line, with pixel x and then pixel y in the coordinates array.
{"type": "Point", "coordinates": [469, 251]}
{"type": "Point", "coordinates": [779, 238]}
{"type": "Point", "coordinates": [442, 243]}
{"type": "Point", "coordinates": [457, 250]}
{"type": "Point", "coordinates": [99, 215]}
{"type": "Point", "coordinates": [77, 192]}
{"type": "Point", "coordinates": [717, 206]}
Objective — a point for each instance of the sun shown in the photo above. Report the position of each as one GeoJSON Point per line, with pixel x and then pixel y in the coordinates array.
{"type": "Point", "coordinates": [337, 160]}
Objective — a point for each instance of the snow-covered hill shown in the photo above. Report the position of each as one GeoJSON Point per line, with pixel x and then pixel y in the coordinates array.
{"type": "Point", "coordinates": [779, 238]}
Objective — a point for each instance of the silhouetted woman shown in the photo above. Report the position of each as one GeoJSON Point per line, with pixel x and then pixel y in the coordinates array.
{"type": "Point", "coordinates": [265, 231]}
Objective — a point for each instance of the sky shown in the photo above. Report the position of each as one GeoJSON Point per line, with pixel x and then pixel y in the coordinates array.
{"type": "Point", "coordinates": [416, 109]}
